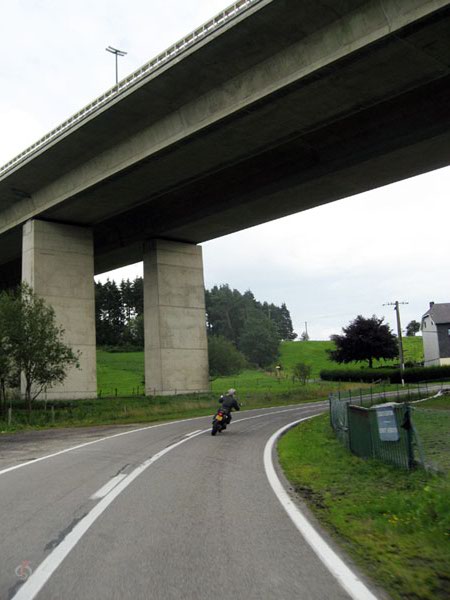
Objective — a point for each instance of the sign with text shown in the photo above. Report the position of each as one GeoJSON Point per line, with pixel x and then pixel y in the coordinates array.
{"type": "Point", "coordinates": [387, 424]}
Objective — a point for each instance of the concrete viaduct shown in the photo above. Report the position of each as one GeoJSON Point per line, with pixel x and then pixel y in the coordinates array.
{"type": "Point", "coordinates": [273, 107]}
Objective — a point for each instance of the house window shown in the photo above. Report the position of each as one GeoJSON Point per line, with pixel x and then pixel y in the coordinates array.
{"type": "Point", "coordinates": [448, 331]}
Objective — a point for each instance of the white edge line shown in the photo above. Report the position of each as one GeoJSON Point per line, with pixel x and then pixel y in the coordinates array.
{"type": "Point", "coordinates": [345, 576]}
{"type": "Point", "coordinates": [109, 437]}
{"type": "Point", "coordinates": [38, 579]}
{"type": "Point", "coordinates": [103, 491]}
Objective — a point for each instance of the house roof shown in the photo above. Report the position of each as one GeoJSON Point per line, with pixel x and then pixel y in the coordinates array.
{"type": "Point", "coordinates": [440, 313]}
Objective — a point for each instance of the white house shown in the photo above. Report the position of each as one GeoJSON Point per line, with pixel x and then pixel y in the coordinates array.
{"type": "Point", "coordinates": [436, 334]}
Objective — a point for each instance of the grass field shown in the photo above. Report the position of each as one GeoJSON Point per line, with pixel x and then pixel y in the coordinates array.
{"type": "Point", "coordinates": [123, 373]}
{"type": "Point", "coordinates": [394, 523]}
{"type": "Point", "coordinates": [315, 354]}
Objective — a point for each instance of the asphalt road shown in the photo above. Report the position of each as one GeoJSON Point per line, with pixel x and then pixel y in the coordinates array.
{"type": "Point", "coordinates": [191, 516]}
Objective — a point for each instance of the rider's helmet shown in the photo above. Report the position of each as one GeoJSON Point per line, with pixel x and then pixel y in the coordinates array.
{"type": "Point", "coordinates": [231, 392]}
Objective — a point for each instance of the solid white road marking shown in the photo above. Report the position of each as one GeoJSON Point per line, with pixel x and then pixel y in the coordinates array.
{"type": "Point", "coordinates": [345, 576]}
{"type": "Point", "coordinates": [115, 435]}
{"type": "Point", "coordinates": [38, 579]}
{"type": "Point", "coordinates": [103, 491]}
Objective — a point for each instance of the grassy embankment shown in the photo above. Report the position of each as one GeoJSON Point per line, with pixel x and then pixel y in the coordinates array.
{"type": "Point", "coordinates": [395, 524]}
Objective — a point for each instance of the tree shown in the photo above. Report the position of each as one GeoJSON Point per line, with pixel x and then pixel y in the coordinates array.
{"type": "Point", "coordinates": [260, 340]}
{"type": "Point", "coordinates": [224, 357]}
{"type": "Point", "coordinates": [5, 370]}
{"type": "Point", "coordinates": [34, 341]}
{"type": "Point", "coordinates": [281, 316]}
{"type": "Point", "coordinates": [302, 371]}
{"type": "Point", "coordinates": [364, 339]}
{"type": "Point", "coordinates": [412, 328]}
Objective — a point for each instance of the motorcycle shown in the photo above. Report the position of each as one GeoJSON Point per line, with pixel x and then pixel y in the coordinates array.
{"type": "Point", "coordinates": [219, 422]}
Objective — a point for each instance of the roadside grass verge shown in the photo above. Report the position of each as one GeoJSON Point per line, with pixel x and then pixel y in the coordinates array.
{"type": "Point", "coordinates": [141, 409]}
{"type": "Point", "coordinates": [394, 524]}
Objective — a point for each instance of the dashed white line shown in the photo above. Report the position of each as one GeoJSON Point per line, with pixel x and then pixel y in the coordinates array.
{"type": "Point", "coordinates": [345, 576]}
{"type": "Point", "coordinates": [38, 579]}
{"type": "Point", "coordinates": [192, 433]}
{"type": "Point", "coordinates": [103, 491]}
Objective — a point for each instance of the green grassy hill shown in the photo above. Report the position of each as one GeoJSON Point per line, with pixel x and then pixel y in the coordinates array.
{"type": "Point", "coordinates": [315, 354]}
{"type": "Point", "coordinates": [123, 372]}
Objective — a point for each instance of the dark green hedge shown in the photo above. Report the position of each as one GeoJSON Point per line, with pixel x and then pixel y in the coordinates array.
{"type": "Point", "coordinates": [364, 375]}
{"type": "Point", "coordinates": [423, 374]}
{"type": "Point", "coordinates": [393, 375]}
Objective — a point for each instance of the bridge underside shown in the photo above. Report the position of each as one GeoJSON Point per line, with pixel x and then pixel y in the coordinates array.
{"type": "Point", "coordinates": [295, 105]}
{"type": "Point", "coordinates": [281, 127]}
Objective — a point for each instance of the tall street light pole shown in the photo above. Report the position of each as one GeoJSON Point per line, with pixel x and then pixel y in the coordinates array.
{"type": "Point", "coordinates": [396, 305]}
{"type": "Point", "coordinates": [117, 53]}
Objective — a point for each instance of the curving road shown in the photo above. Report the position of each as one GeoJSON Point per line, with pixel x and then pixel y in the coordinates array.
{"type": "Point", "coordinates": [158, 512]}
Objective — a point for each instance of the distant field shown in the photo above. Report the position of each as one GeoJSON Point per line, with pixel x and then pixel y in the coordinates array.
{"type": "Point", "coordinates": [315, 354]}
{"type": "Point", "coordinates": [122, 373]}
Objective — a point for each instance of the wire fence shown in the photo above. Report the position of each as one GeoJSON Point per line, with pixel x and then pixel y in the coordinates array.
{"type": "Point", "coordinates": [399, 433]}
{"type": "Point", "coordinates": [432, 438]}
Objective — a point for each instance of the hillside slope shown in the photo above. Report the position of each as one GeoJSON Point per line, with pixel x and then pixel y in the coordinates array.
{"type": "Point", "coordinates": [315, 354]}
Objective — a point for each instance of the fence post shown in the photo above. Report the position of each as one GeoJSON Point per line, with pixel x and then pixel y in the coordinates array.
{"type": "Point", "coordinates": [53, 413]}
{"type": "Point", "coordinates": [360, 396]}
{"type": "Point", "coordinates": [9, 416]}
{"type": "Point", "coordinates": [409, 434]}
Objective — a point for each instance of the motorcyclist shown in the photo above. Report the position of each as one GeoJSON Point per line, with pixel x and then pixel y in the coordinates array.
{"type": "Point", "coordinates": [229, 402]}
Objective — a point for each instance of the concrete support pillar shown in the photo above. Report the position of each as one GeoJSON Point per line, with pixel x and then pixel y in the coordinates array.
{"type": "Point", "coordinates": [58, 263]}
{"type": "Point", "coordinates": [176, 347]}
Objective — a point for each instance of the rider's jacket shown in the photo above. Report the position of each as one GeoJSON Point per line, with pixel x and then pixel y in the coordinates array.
{"type": "Point", "coordinates": [228, 403]}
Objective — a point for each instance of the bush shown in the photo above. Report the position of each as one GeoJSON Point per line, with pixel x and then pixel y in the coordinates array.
{"type": "Point", "coordinates": [122, 348]}
{"type": "Point", "coordinates": [423, 374]}
{"type": "Point", "coordinates": [224, 358]}
{"type": "Point", "coordinates": [393, 375]}
{"type": "Point", "coordinates": [365, 375]}
{"type": "Point", "coordinates": [302, 371]}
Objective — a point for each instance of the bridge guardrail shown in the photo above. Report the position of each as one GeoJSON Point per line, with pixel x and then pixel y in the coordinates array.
{"type": "Point", "coordinates": [165, 57]}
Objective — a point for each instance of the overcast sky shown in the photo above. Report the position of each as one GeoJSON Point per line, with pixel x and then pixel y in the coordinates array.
{"type": "Point", "coordinates": [328, 264]}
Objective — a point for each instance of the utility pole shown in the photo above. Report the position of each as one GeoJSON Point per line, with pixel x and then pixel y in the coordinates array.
{"type": "Point", "coordinates": [396, 306]}
{"type": "Point", "coordinates": [117, 53]}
